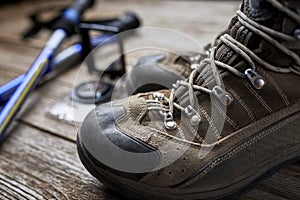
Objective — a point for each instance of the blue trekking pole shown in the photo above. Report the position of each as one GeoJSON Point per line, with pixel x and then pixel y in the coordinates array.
{"type": "Point", "coordinates": [61, 62]}
{"type": "Point", "coordinates": [71, 56]}
{"type": "Point", "coordinates": [64, 28]}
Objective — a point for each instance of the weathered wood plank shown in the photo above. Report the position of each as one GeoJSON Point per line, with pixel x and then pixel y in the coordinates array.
{"type": "Point", "coordinates": [34, 114]}
{"type": "Point", "coordinates": [8, 74]}
{"type": "Point", "coordinates": [201, 20]}
{"type": "Point", "coordinates": [36, 165]}
{"type": "Point", "coordinates": [286, 184]}
{"type": "Point", "coordinates": [14, 18]}
{"type": "Point", "coordinates": [34, 162]}
{"type": "Point", "coordinates": [17, 56]}
{"type": "Point", "coordinates": [257, 194]}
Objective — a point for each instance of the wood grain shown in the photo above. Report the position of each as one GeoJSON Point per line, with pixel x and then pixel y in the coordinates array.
{"type": "Point", "coordinates": [37, 165]}
{"type": "Point", "coordinates": [39, 159]}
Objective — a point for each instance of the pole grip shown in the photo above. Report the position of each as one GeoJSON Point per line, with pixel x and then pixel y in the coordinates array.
{"type": "Point", "coordinates": [127, 22]}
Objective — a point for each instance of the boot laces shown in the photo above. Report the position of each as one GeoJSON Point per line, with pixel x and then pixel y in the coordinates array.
{"type": "Point", "coordinates": [249, 56]}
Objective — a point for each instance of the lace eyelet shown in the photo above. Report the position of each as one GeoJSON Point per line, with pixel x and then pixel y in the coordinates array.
{"type": "Point", "coordinates": [169, 123]}
{"type": "Point", "coordinates": [158, 96]}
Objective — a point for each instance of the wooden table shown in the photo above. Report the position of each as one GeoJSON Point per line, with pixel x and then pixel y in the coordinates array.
{"type": "Point", "coordinates": [39, 159]}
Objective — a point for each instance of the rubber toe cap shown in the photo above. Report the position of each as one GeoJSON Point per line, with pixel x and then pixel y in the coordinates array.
{"type": "Point", "coordinates": [112, 148]}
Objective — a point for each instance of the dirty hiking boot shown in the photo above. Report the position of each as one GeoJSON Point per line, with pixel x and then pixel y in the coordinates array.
{"type": "Point", "coordinates": [233, 122]}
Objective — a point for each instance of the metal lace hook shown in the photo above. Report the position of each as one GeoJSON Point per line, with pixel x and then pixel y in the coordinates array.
{"type": "Point", "coordinates": [195, 118]}
{"type": "Point", "coordinates": [169, 122]}
{"type": "Point", "coordinates": [256, 80]}
{"type": "Point", "coordinates": [224, 97]}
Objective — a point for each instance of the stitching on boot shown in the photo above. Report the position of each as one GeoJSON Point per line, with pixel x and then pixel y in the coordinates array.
{"type": "Point", "coordinates": [237, 149]}
{"type": "Point", "coordinates": [181, 133]}
{"type": "Point", "coordinates": [242, 103]}
{"type": "Point", "coordinates": [229, 138]}
{"type": "Point", "coordinates": [228, 119]}
{"type": "Point", "coordinates": [193, 131]}
{"type": "Point", "coordinates": [211, 123]}
{"type": "Point", "coordinates": [258, 97]}
{"type": "Point", "coordinates": [247, 144]}
{"type": "Point", "coordinates": [278, 88]}
{"type": "Point", "coordinates": [287, 111]}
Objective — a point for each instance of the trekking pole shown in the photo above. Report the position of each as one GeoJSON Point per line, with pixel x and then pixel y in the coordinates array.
{"type": "Point", "coordinates": [64, 28]}
{"type": "Point", "coordinates": [71, 56]}
{"type": "Point", "coordinates": [65, 60]}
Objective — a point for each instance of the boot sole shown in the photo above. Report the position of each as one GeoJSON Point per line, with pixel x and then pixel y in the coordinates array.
{"type": "Point", "coordinates": [131, 193]}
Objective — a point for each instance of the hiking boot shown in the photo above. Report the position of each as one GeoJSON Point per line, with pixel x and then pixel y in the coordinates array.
{"type": "Point", "coordinates": [160, 71]}
{"type": "Point", "coordinates": [233, 122]}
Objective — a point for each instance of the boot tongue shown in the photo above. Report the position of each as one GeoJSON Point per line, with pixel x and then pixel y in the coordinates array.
{"type": "Point", "coordinates": [263, 13]}
{"type": "Point", "coordinates": [258, 10]}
